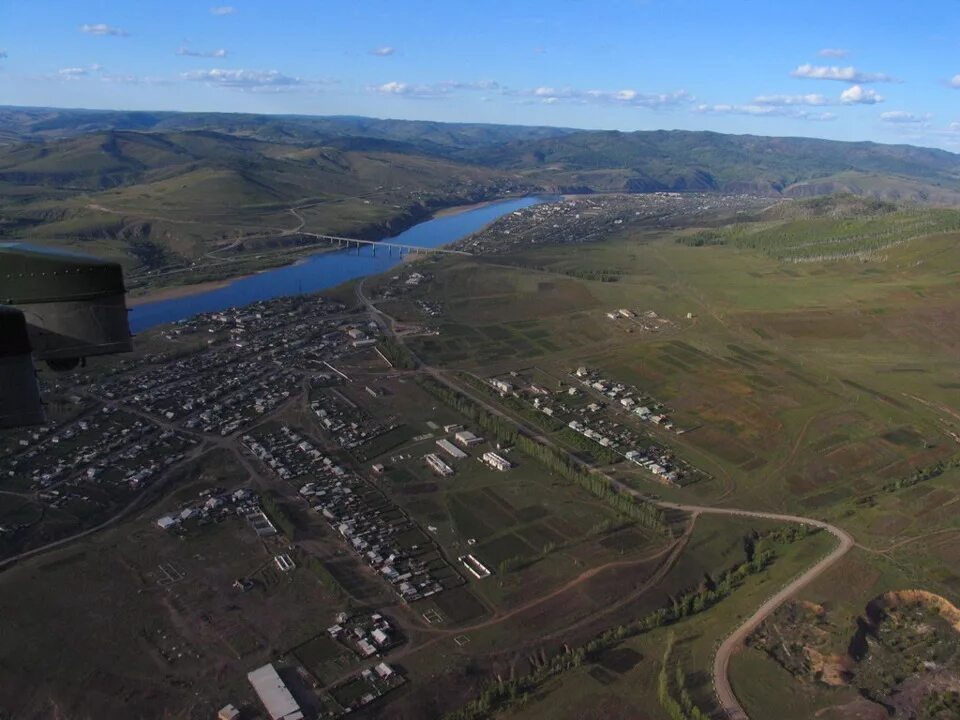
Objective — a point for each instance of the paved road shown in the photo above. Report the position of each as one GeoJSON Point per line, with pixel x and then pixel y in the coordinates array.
{"type": "Point", "coordinates": [721, 663]}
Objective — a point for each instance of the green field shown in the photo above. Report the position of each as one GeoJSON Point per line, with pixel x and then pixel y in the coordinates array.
{"type": "Point", "coordinates": [817, 388]}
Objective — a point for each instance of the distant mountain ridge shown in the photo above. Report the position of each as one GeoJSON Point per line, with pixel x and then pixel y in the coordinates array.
{"type": "Point", "coordinates": [435, 138]}
{"type": "Point", "coordinates": [681, 160]}
{"type": "Point", "coordinates": [562, 159]}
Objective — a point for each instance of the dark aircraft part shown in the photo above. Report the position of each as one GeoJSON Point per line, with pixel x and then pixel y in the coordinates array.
{"type": "Point", "coordinates": [74, 304]}
{"type": "Point", "coordinates": [19, 396]}
{"type": "Point", "coordinates": [64, 364]}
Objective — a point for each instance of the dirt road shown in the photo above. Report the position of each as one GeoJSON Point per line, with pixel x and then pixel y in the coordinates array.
{"type": "Point", "coordinates": [721, 661]}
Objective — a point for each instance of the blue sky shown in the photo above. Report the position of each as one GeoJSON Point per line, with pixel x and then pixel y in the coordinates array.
{"type": "Point", "coordinates": [881, 70]}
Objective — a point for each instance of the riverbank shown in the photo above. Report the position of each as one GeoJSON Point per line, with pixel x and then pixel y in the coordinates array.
{"type": "Point", "coordinates": [458, 209]}
{"type": "Point", "coordinates": [174, 292]}
{"type": "Point", "coordinates": [316, 271]}
{"type": "Point", "coordinates": [145, 295]}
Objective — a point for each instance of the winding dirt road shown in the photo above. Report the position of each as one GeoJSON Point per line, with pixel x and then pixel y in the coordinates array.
{"type": "Point", "coordinates": [721, 661]}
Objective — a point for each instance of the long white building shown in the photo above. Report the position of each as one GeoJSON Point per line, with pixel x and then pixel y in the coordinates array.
{"type": "Point", "coordinates": [450, 449]}
{"type": "Point", "coordinates": [496, 461]}
{"type": "Point", "coordinates": [438, 465]}
{"type": "Point", "coordinates": [274, 694]}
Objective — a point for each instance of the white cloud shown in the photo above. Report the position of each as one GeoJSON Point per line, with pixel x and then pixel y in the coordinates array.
{"type": "Point", "coordinates": [833, 52]}
{"type": "Point", "coordinates": [134, 79]}
{"type": "Point", "coordinates": [857, 95]}
{"type": "Point", "coordinates": [843, 74]}
{"type": "Point", "coordinates": [247, 80]}
{"type": "Point", "coordinates": [471, 85]}
{"type": "Point", "coordinates": [626, 97]}
{"type": "Point", "coordinates": [223, 10]}
{"type": "Point", "coordinates": [187, 52]}
{"type": "Point", "coordinates": [432, 90]}
{"type": "Point", "coordinates": [783, 100]}
{"type": "Point", "coordinates": [904, 117]}
{"type": "Point", "coordinates": [792, 105]}
{"type": "Point", "coordinates": [72, 72]}
{"type": "Point", "coordinates": [384, 51]}
{"type": "Point", "coordinates": [760, 110]}
{"type": "Point", "coordinates": [540, 95]}
{"type": "Point", "coordinates": [103, 29]}
{"type": "Point", "coordinates": [955, 81]}
{"type": "Point", "coordinates": [75, 73]}
{"type": "Point", "coordinates": [400, 88]}
{"type": "Point", "coordinates": [98, 73]}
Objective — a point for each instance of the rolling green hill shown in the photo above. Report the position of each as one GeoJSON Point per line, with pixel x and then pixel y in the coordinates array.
{"type": "Point", "coordinates": [706, 161]}
{"type": "Point", "coordinates": [560, 158]}
{"type": "Point", "coordinates": [829, 228]}
{"type": "Point", "coordinates": [149, 197]}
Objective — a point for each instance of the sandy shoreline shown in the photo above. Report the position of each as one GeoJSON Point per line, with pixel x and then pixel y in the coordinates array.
{"type": "Point", "coordinates": [457, 209]}
{"type": "Point", "coordinates": [179, 291]}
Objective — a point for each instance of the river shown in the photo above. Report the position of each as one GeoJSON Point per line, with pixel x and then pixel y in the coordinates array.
{"type": "Point", "coordinates": [323, 270]}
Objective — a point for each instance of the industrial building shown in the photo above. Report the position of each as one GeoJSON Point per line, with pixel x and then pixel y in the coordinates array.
{"type": "Point", "coordinates": [438, 465]}
{"type": "Point", "coordinates": [476, 568]}
{"type": "Point", "coordinates": [467, 438]}
{"type": "Point", "coordinates": [451, 449]}
{"type": "Point", "coordinates": [496, 461]}
{"type": "Point", "coordinates": [273, 693]}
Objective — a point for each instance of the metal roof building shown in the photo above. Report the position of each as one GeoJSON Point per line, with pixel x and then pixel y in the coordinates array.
{"type": "Point", "coordinates": [273, 693]}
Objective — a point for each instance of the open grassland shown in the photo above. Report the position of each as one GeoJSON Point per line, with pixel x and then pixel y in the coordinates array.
{"type": "Point", "coordinates": [622, 681]}
{"type": "Point", "coordinates": [827, 389]}
{"type": "Point", "coordinates": [799, 385]}
{"type": "Point", "coordinates": [812, 240]}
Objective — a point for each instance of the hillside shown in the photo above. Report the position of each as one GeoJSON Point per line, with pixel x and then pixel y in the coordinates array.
{"type": "Point", "coordinates": [560, 158]}
{"type": "Point", "coordinates": [437, 138]}
{"type": "Point", "coordinates": [706, 161]}
{"type": "Point", "coordinates": [158, 198]}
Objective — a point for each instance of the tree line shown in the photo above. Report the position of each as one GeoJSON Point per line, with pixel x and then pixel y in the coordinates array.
{"type": "Point", "coordinates": [277, 515]}
{"type": "Point", "coordinates": [922, 474]}
{"type": "Point", "coordinates": [681, 707]}
{"type": "Point", "coordinates": [326, 578]}
{"type": "Point", "coordinates": [396, 354]}
{"type": "Point", "coordinates": [547, 422]}
{"type": "Point", "coordinates": [590, 448]}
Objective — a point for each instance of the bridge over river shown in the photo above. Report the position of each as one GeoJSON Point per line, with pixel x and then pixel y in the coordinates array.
{"type": "Point", "coordinates": [390, 246]}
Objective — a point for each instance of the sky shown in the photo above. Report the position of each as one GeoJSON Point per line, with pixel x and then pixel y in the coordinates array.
{"type": "Point", "coordinates": [883, 70]}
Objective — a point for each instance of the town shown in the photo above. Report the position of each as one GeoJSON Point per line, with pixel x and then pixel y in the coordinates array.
{"type": "Point", "coordinates": [584, 219]}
